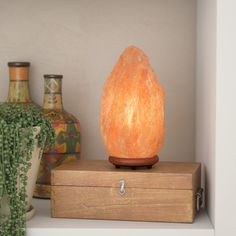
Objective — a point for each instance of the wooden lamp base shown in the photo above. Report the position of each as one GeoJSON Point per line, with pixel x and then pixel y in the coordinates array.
{"type": "Point", "coordinates": [134, 162]}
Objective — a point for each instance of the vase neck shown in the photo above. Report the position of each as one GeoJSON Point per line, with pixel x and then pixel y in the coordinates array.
{"type": "Point", "coordinates": [19, 82]}
{"type": "Point", "coordinates": [53, 92]}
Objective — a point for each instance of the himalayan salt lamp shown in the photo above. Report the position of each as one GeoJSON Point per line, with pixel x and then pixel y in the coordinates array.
{"type": "Point", "coordinates": [132, 112]}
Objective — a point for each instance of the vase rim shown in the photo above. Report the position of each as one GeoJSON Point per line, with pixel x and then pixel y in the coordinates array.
{"type": "Point", "coordinates": [54, 76]}
{"type": "Point", "coordinates": [18, 64]}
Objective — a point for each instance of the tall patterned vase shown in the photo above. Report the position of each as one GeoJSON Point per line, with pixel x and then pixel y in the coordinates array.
{"type": "Point", "coordinates": [67, 131]}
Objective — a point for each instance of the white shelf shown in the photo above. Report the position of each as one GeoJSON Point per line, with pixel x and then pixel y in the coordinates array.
{"type": "Point", "coordinates": [43, 225]}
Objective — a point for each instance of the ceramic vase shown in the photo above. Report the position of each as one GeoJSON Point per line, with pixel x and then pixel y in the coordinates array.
{"type": "Point", "coordinates": [67, 135]}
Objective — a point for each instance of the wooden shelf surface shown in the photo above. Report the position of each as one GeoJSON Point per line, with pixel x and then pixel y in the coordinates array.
{"type": "Point", "coordinates": [43, 225]}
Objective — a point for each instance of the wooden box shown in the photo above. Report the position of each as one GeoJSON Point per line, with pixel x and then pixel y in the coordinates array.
{"type": "Point", "coordinates": [97, 190]}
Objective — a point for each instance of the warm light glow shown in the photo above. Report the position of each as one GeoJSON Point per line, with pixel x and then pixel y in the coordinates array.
{"type": "Point", "coordinates": [132, 112]}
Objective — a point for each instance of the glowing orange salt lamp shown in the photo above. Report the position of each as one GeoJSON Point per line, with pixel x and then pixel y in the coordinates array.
{"type": "Point", "coordinates": [132, 112]}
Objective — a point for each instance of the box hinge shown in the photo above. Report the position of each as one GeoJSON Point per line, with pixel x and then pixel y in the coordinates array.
{"type": "Point", "coordinates": [199, 198]}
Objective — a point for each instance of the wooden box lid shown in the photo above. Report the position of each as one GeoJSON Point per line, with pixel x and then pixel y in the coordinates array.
{"type": "Point", "coordinates": [97, 173]}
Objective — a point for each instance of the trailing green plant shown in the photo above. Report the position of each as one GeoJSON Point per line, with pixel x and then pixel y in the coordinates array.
{"type": "Point", "coordinates": [18, 124]}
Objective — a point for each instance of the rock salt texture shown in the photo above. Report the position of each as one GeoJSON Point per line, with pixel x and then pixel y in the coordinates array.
{"type": "Point", "coordinates": [132, 110]}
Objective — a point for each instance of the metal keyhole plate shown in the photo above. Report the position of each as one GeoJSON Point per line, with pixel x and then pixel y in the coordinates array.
{"type": "Point", "coordinates": [122, 187]}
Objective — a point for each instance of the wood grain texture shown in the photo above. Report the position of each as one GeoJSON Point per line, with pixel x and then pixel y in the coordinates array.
{"type": "Point", "coordinates": [90, 190]}
{"type": "Point", "coordinates": [164, 175]}
{"type": "Point", "coordinates": [135, 204]}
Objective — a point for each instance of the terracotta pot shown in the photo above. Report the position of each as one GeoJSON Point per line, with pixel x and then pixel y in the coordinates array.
{"type": "Point", "coordinates": [132, 111]}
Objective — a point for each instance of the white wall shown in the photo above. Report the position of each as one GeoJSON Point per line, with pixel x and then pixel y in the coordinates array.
{"type": "Point", "coordinates": [206, 98]}
{"type": "Point", "coordinates": [82, 39]}
{"type": "Point", "coordinates": [225, 206]}
{"type": "Point", "coordinates": [216, 114]}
